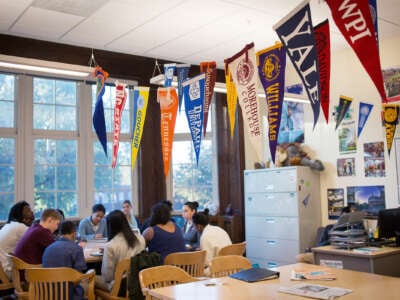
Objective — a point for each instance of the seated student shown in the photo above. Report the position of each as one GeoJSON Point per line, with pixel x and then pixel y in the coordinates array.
{"type": "Point", "coordinates": [163, 235]}
{"type": "Point", "coordinates": [31, 246]}
{"type": "Point", "coordinates": [20, 218]}
{"type": "Point", "coordinates": [94, 226]}
{"type": "Point", "coordinates": [146, 223]}
{"type": "Point", "coordinates": [122, 243]}
{"type": "Point", "coordinates": [127, 210]}
{"type": "Point", "coordinates": [190, 232]}
{"type": "Point", "coordinates": [57, 233]}
{"type": "Point", "coordinates": [212, 237]}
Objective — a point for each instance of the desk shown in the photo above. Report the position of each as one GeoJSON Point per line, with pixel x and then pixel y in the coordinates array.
{"type": "Point", "coordinates": [93, 247]}
{"type": "Point", "coordinates": [365, 286]}
{"type": "Point", "coordinates": [386, 261]}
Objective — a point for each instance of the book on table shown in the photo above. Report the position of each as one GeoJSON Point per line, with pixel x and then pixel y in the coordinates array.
{"type": "Point", "coordinates": [255, 274]}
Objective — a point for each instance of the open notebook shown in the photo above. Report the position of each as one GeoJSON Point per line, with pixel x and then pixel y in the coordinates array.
{"type": "Point", "coordinates": [255, 274]}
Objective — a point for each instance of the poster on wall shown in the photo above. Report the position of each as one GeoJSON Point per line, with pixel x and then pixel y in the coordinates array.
{"type": "Point", "coordinates": [347, 135]}
{"type": "Point", "coordinates": [374, 160]}
{"type": "Point", "coordinates": [370, 199]}
{"type": "Point", "coordinates": [292, 123]}
{"type": "Point", "coordinates": [335, 203]}
{"type": "Point", "coordinates": [391, 78]}
{"type": "Point", "coordinates": [346, 167]}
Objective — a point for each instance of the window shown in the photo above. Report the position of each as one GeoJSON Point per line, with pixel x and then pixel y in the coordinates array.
{"type": "Point", "coordinates": [7, 83]}
{"type": "Point", "coordinates": [7, 175]}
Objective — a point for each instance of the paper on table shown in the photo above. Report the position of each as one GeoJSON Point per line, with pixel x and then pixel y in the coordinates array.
{"type": "Point", "coordinates": [312, 274]}
{"type": "Point", "coordinates": [315, 291]}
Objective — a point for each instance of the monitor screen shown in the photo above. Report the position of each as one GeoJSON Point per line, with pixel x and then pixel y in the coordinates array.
{"type": "Point", "coordinates": [389, 223]}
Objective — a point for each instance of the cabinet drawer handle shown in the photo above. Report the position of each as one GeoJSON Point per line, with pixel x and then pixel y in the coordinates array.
{"type": "Point", "coordinates": [270, 220]}
{"type": "Point", "coordinates": [272, 264]}
{"type": "Point", "coordinates": [271, 242]}
{"type": "Point", "coordinates": [269, 187]}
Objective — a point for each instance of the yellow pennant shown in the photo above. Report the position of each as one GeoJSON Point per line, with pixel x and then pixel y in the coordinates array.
{"type": "Point", "coordinates": [390, 119]}
{"type": "Point", "coordinates": [231, 98]}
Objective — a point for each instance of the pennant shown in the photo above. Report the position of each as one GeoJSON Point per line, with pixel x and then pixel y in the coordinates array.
{"type": "Point", "coordinates": [140, 100]}
{"type": "Point", "coordinates": [344, 104]}
{"type": "Point", "coordinates": [182, 72]}
{"type": "Point", "coordinates": [297, 35]}
{"type": "Point", "coordinates": [120, 100]}
{"type": "Point", "coordinates": [244, 75]}
{"type": "Point", "coordinates": [99, 122]}
{"type": "Point", "coordinates": [353, 18]}
{"type": "Point", "coordinates": [390, 119]}
{"type": "Point", "coordinates": [322, 40]}
{"type": "Point", "coordinates": [374, 15]}
{"type": "Point", "coordinates": [169, 74]}
{"type": "Point", "coordinates": [194, 90]}
{"type": "Point", "coordinates": [364, 110]}
{"type": "Point", "coordinates": [271, 64]}
{"type": "Point", "coordinates": [210, 69]}
{"type": "Point", "coordinates": [231, 99]}
{"type": "Point", "coordinates": [168, 100]}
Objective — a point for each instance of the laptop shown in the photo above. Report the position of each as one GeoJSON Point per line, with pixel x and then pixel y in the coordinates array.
{"type": "Point", "coordinates": [255, 274]}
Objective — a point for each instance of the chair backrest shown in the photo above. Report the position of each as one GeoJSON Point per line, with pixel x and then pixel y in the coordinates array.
{"type": "Point", "coordinates": [5, 283]}
{"type": "Point", "coordinates": [166, 275]}
{"type": "Point", "coordinates": [228, 264]}
{"type": "Point", "coordinates": [56, 283]}
{"type": "Point", "coordinates": [121, 273]}
{"type": "Point", "coordinates": [192, 262]}
{"type": "Point", "coordinates": [234, 249]}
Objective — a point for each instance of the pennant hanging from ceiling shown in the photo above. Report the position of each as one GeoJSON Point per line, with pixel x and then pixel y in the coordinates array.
{"type": "Point", "coordinates": [169, 74]}
{"type": "Point", "coordinates": [120, 99]}
{"type": "Point", "coordinates": [99, 122]}
{"type": "Point", "coordinates": [271, 64]}
{"type": "Point", "coordinates": [297, 34]}
{"type": "Point", "coordinates": [374, 15]}
{"type": "Point", "coordinates": [364, 110]}
{"type": "Point", "coordinates": [140, 100]}
{"type": "Point", "coordinates": [210, 69]}
{"type": "Point", "coordinates": [390, 119]}
{"type": "Point", "coordinates": [182, 72]}
{"type": "Point", "coordinates": [194, 90]}
{"type": "Point", "coordinates": [353, 18]}
{"type": "Point", "coordinates": [244, 74]}
{"type": "Point", "coordinates": [322, 40]}
{"type": "Point", "coordinates": [344, 104]}
{"type": "Point", "coordinates": [168, 100]}
{"type": "Point", "coordinates": [231, 98]}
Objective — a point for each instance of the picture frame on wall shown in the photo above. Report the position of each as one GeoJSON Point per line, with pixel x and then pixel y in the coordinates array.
{"type": "Point", "coordinates": [374, 159]}
{"type": "Point", "coordinates": [346, 167]}
{"type": "Point", "coordinates": [335, 203]}
{"type": "Point", "coordinates": [347, 135]}
{"type": "Point", "coordinates": [370, 199]}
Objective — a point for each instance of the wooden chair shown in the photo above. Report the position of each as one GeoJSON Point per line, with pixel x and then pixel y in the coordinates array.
{"type": "Point", "coordinates": [192, 262]}
{"type": "Point", "coordinates": [55, 283]}
{"type": "Point", "coordinates": [6, 286]}
{"type": "Point", "coordinates": [221, 266]}
{"type": "Point", "coordinates": [234, 249]}
{"type": "Point", "coordinates": [20, 286]}
{"type": "Point", "coordinates": [155, 277]}
{"type": "Point", "coordinates": [120, 275]}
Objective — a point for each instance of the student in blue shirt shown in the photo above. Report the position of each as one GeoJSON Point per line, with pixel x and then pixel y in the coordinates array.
{"type": "Point", "coordinates": [94, 226]}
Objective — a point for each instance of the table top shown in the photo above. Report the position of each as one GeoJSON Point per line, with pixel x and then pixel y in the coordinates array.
{"type": "Point", "coordinates": [92, 250]}
{"type": "Point", "coordinates": [384, 251]}
{"type": "Point", "coordinates": [364, 285]}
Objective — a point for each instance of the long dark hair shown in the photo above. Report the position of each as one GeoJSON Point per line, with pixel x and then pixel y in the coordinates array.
{"type": "Point", "coordinates": [116, 223]}
{"type": "Point", "coordinates": [16, 212]}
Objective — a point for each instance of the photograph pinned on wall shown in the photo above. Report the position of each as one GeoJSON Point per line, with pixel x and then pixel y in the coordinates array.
{"type": "Point", "coordinates": [370, 199]}
{"type": "Point", "coordinates": [391, 78]}
{"type": "Point", "coordinates": [291, 129]}
{"type": "Point", "coordinates": [346, 167]}
{"type": "Point", "coordinates": [347, 135]}
{"type": "Point", "coordinates": [335, 202]}
{"type": "Point", "coordinates": [374, 159]}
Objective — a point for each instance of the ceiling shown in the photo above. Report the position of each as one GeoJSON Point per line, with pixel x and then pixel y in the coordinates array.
{"type": "Point", "coordinates": [176, 30]}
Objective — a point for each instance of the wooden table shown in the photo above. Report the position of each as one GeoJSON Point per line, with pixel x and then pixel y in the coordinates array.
{"type": "Point", "coordinates": [93, 247]}
{"type": "Point", "coordinates": [365, 286]}
{"type": "Point", "coordinates": [385, 261]}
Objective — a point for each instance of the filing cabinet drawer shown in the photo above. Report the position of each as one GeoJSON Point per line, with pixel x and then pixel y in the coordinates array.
{"type": "Point", "coordinates": [272, 227]}
{"type": "Point", "coordinates": [274, 204]}
{"type": "Point", "coordinates": [273, 249]}
{"type": "Point", "coordinates": [280, 181]}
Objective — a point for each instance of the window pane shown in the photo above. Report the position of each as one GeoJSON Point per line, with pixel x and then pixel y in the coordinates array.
{"type": "Point", "coordinates": [7, 179]}
{"type": "Point", "coordinates": [66, 178]}
{"type": "Point", "coordinates": [6, 114]}
{"type": "Point", "coordinates": [45, 178]}
{"type": "Point", "coordinates": [7, 87]}
{"type": "Point", "coordinates": [43, 116]}
{"type": "Point", "coordinates": [42, 201]}
{"type": "Point", "coordinates": [103, 177]}
{"type": "Point", "coordinates": [66, 152]}
{"type": "Point", "coordinates": [66, 93]}
{"type": "Point", "coordinates": [43, 90]}
{"type": "Point", "coordinates": [68, 202]}
{"type": "Point", "coordinates": [7, 176]}
{"type": "Point", "coordinates": [7, 151]}
{"type": "Point", "coordinates": [65, 118]}
{"type": "Point", "coordinates": [6, 201]}
{"type": "Point", "coordinates": [7, 83]}
{"type": "Point", "coordinates": [45, 152]}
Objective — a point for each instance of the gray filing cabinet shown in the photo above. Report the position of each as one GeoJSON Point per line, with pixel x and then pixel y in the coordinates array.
{"type": "Point", "coordinates": [282, 213]}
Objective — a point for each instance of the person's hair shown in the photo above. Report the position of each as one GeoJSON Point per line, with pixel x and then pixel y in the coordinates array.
{"type": "Point", "coordinates": [98, 207]}
{"type": "Point", "coordinates": [16, 212]}
{"type": "Point", "coordinates": [160, 214]}
{"type": "Point", "coordinates": [67, 227]}
{"type": "Point", "coordinates": [117, 223]}
{"type": "Point", "coordinates": [168, 203]}
{"type": "Point", "coordinates": [193, 205]}
{"type": "Point", "coordinates": [127, 202]}
{"type": "Point", "coordinates": [201, 218]}
{"type": "Point", "coordinates": [60, 211]}
{"type": "Point", "coordinates": [50, 213]}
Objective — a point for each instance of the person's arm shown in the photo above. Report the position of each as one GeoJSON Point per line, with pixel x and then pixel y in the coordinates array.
{"type": "Point", "coordinates": [84, 230]}
{"type": "Point", "coordinates": [205, 244]}
{"type": "Point", "coordinates": [79, 262]}
{"type": "Point", "coordinates": [148, 234]}
{"type": "Point", "coordinates": [108, 265]}
{"type": "Point", "coordinates": [102, 229]}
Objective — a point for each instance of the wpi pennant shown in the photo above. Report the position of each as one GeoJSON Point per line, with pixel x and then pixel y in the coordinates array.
{"type": "Point", "coordinates": [140, 99]}
{"type": "Point", "coordinates": [353, 18]}
{"type": "Point", "coordinates": [231, 98]}
{"type": "Point", "coordinates": [297, 34]}
{"type": "Point", "coordinates": [120, 100]}
{"type": "Point", "coordinates": [99, 122]}
{"type": "Point", "coordinates": [194, 106]}
{"type": "Point", "coordinates": [182, 72]}
{"type": "Point", "coordinates": [169, 74]}
{"type": "Point", "coordinates": [244, 75]}
{"type": "Point", "coordinates": [271, 64]}
{"type": "Point", "coordinates": [210, 69]}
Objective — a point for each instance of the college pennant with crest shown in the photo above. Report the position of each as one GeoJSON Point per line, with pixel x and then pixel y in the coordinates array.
{"type": "Point", "coordinates": [353, 18]}
{"type": "Point", "coordinates": [169, 74]}
{"type": "Point", "coordinates": [271, 64]}
{"type": "Point", "coordinates": [390, 119]}
{"type": "Point", "coordinates": [364, 109]}
{"type": "Point", "coordinates": [194, 92]}
{"type": "Point", "coordinates": [140, 101]}
{"type": "Point", "coordinates": [210, 69]}
{"type": "Point", "coordinates": [99, 122]}
{"type": "Point", "coordinates": [296, 32]}
{"type": "Point", "coordinates": [120, 99]}
{"type": "Point", "coordinates": [231, 99]}
{"type": "Point", "coordinates": [244, 74]}
{"type": "Point", "coordinates": [168, 100]}
{"type": "Point", "coordinates": [344, 105]}
{"type": "Point", "coordinates": [182, 73]}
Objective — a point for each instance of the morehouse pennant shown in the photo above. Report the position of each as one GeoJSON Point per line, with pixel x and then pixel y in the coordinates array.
{"type": "Point", "coordinates": [120, 100]}
{"type": "Point", "coordinates": [296, 32]}
{"type": "Point", "coordinates": [99, 122]}
{"type": "Point", "coordinates": [210, 69]}
{"type": "Point", "coordinates": [231, 98]}
{"type": "Point", "coordinates": [271, 64]}
{"type": "Point", "coordinates": [182, 72]}
{"type": "Point", "coordinates": [353, 18]}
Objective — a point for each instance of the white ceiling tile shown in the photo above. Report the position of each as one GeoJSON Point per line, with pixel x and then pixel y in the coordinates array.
{"type": "Point", "coordinates": [10, 10]}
